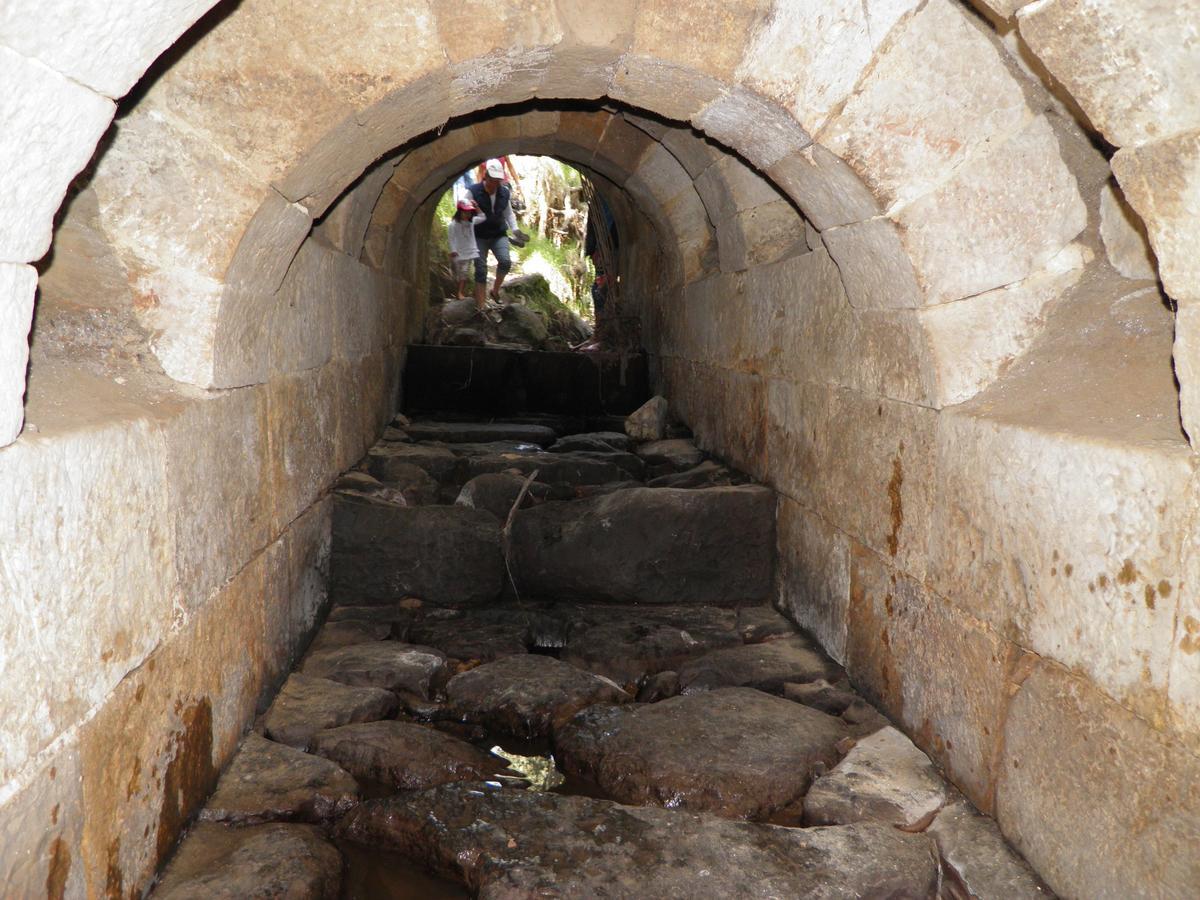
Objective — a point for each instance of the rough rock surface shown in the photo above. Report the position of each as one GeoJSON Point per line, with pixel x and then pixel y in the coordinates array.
{"type": "Point", "coordinates": [765, 666]}
{"type": "Point", "coordinates": [884, 778]}
{"type": "Point", "coordinates": [576, 468]}
{"type": "Point", "coordinates": [629, 546]}
{"type": "Point", "coordinates": [481, 432]}
{"type": "Point", "coordinates": [416, 486]}
{"type": "Point", "coordinates": [820, 694]}
{"type": "Point", "coordinates": [706, 474]}
{"type": "Point", "coordinates": [762, 623]}
{"type": "Point", "coordinates": [678, 452]}
{"type": "Point", "coordinates": [270, 782]}
{"type": "Point", "coordinates": [391, 665]}
{"type": "Point", "coordinates": [307, 704]}
{"type": "Point", "coordinates": [259, 862]}
{"type": "Point", "coordinates": [345, 633]}
{"type": "Point", "coordinates": [488, 635]}
{"type": "Point", "coordinates": [404, 755]}
{"type": "Point", "coordinates": [743, 753]}
{"type": "Point", "coordinates": [496, 493]}
{"type": "Point", "coordinates": [508, 844]}
{"type": "Point", "coordinates": [979, 862]}
{"type": "Point", "coordinates": [526, 696]}
{"type": "Point", "coordinates": [649, 421]}
{"type": "Point", "coordinates": [595, 441]}
{"type": "Point", "coordinates": [439, 462]}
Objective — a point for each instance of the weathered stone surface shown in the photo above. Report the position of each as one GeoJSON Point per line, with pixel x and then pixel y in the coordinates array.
{"type": "Point", "coordinates": [756, 624]}
{"type": "Point", "coordinates": [979, 860]}
{"type": "Point", "coordinates": [678, 452]}
{"type": "Point", "coordinates": [520, 843]}
{"type": "Point", "coordinates": [1124, 235]}
{"type": "Point", "coordinates": [707, 474]}
{"type": "Point", "coordinates": [259, 862]}
{"type": "Point", "coordinates": [578, 468]}
{"type": "Point", "coordinates": [440, 462]}
{"type": "Point", "coordinates": [814, 575]}
{"type": "Point", "coordinates": [884, 778]}
{"type": "Point", "coordinates": [822, 695]}
{"type": "Point", "coordinates": [403, 755]}
{"type": "Point", "coordinates": [614, 548]}
{"type": "Point", "coordinates": [649, 422]}
{"type": "Point", "coordinates": [486, 635]}
{"type": "Point", "coordinates": [343, 634]}
{"type": "Point", "coordinates": [828, 191]}
{"type": "Point", "coordinates": [595, 441]}
{"type": "Point", "coordinates": [522, 326]}
{"type": "Point", "coordinates": [403, 668]}
{"type": "Point", "coordinates": [17, 287]}
{"type": "Point", "coordinates": [736, 752]}
{"type": "Point", "coordinates": [874, 266]}
{"type": "Point", "coordinates": [447, 555]}
{"type": "Point", "coordinates": [496, 492]}
{"type": "Point", "coordinates": [658, 686]}
{"type": "Point", "coordinates": [307, 704]}
{"type": "Point", "coordinates": [269, 782]}
{"type": "Point", "coordinates": [764, 666]}
{"type": "Point", "coordinates": [526, 696]}
{"type": "Point", "coordinates": [413, 483]}
{"type": "Point", "coordinates": [481, 432]}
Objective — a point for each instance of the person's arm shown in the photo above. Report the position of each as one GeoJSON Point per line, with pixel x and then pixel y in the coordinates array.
{"type": "Point", "coordinates": [479, 217]}
{"type": "Point", "coordinates": [510, 217]}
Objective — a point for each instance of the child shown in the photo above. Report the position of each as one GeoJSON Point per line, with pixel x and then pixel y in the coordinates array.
{"type": "Point", "coordinates": [460, 233]}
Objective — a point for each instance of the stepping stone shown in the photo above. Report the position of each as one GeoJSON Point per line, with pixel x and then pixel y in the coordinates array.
{"type": "Point", "coordinates": [556, 468]}
{"type": "Point", "coordinates": [649, 421]}
{"type": "Point", "coordinates": [344, 634]}
{"type": "Point", "coordinates": [307, 705]}
{"type": "Point", "coordinates": [650, 546]}
{"type": "Point", "coordinates": [377, 612]}
{"type": "Point", "coordinates": [510, 844]}
{"type": "Point", "coordinates": [762, 623]}
{"type": "Point", "coordinates": [822, 695]}
{"type": "Point", "coordinates": [526, 696]}
{"type": "Point", "coordinates": [764, 666]}
{"type": "Point", "coordinates": [490, 448]}
{"type": "Point", "coordinates": [885, 779]}
{"type": "Point", "coordinates": [677, 452]}
{"type": "Point", "coordinates": [404, 755]}
{"type": "Point", "coordinates": [707, 474]}
{"type": "Point", "coordinates": [594, 441]}
{"type": "Point", "coordinates": [387, 460]}
{"type": "Point", "coordinates": [446, 555]}
{"type": "Point", "coordinates": [415, 486]}
{"type": "Point", "coordinates": [259, 862]}
{"type": "Point", "coordinates": [497, 492]}
{"type": "Point", "coordinates": [481, 432]}
{"type": "Point", "coordinates": [978, 861]}
{"type": "Point", "coordinates": [269, 782]}
{"type": "Point", "coordinates": [400, 668]}
{"type": "Point", "coordinates": [736, 752]}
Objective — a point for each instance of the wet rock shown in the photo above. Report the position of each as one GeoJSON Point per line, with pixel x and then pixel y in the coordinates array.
{"type": "Point", "coordinates": [658, 686]}
{"type": "Point", "coordinates": [447, 555]}
{"type": "Point", "coordinates": [259, 862]}
{"type": "Point", "coordinates": [306, 705]}
{"type": "Point", "coordinates": [762, 623]}
{"type": "Point", "coordinates": [979, 862]}
{"type": "Point", "coordinates": [401, 668]}
{"type": "Point", "coordinates": [631, 546]}
{"type": "Point", "coordinates": [764, 666]}
{"type": "Point", "coordinates": [404, 755]}
{"type": "Point", "coordinates": [553, 468]}
{"type": "Point", "coordinates": [525, 696]}
{"type": "Point", "coordinates": [707, 474]}
{"type": "Point", "coordinates": [481, 432]}
{"type": "Point", "coordinates": [497, 492]}
{"type": "Point", "coordinates": [415, 485]}
{"type": "Point", "coordinates": [649, 421]}
{"type": "Point", "coordinates": [269, 782]}
{"type": "Point", "coordinates": [509, 844]}
{"type": "Point", "coordinates": [735, 752]}
{"type": "Point", "coordinates": [470, 637]}
{"type": "Point", "coordinates": [386, 461]}
{"type": "Point", "coordinates": [822, 695]}
{"type": "Point", "coordinates": [678, 453]}
{"type": "Point", "coordinates": [343, 634]}
{"type": "Point", "coordinates": [884, 778]}
{"type": "Point", "coordinates": [595, 441]}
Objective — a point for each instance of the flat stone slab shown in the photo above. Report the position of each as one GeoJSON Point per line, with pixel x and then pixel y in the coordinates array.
{"type": "Point", "coordinates": [762, 623]}
{"type": "Point", "coordinates": [979, 860]}
{"type": "Point", "coordinates": [481, 432]}
{"type": "Point", "coordinates": [526, 696]}
{"type": "Point", "coordinates": [496, 493]}
{"type": "Point", "coordinates": [401, 668]}
{"type": "Point", "coordinates": [822, 695]}
{"type": "Point", "coordinates": [406, 484]}
{"type": "Point", "coordinates": [765, 666]}
{"type": "Point", "coordinates": [654, 546]}
{"type": "Point", "coordinates": [706, 474]}
{"type": "Point", "coordinates": [561, 468]}
{"type": "Point", "coordinates": [348, 632]}
{"type": "Point", "coordinates": [474, 637]}
{"type": "Point", "coordinates": [735, 752]}
{"type": "Point", "coordinates": [306, 705]}
{"type": "Point", "coordinates": [258, 862]}
{"type": "Point", "coordinates": [507, 843]}
{"type": "Point", "coordinates": [595, 441]}
{"type": "Point", "coordinates": [680, 453]}
{"type": "Point", "coordinates": [270, 782]}
{"type": "Point", "coordinates": [884, 778]}
{"type": "Point", "coordinates": [386, 462]}
{"type": "Point", "coordinates": [404, 755]}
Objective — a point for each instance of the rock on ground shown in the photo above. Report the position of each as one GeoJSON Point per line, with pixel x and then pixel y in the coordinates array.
{"type": "Point", "coordinates": [496, 492]}
{"type": "Point", "coordinates": [404, 755]}
{"type": "Point", "coordinates": [596, 441]}
{"type": "Point", "coordinates": [415, 486]}
{"type": "Point", "coordinates": [401, 668]}
{"type": "Point", "coordinates": [270, 782]}
{"type": "Point", "coordinates": [707, 474]}
{"type": "Point", "coordinates": [509, 844]}
{"type": "Point", "coordinates": [736, 752]}
{"type": "Point", "coordinates": [526, 696]}
{"type": "Point", "coordinates": [438, 462]}
{"type": "Point", "coordinates": [631, 546]}
{"type": "Point", "coordinates": [259, 862]}
{"type": "Point", "coordinates": [575, 468]}
{"type": "Point", "coordinates": [822, 695]}
{"type": "Point", "coordinates": [649, 421]}
{"type": "Point", "coordinates": [765, 666]}
{"type": "Point", "coordinates": [345, 633]}
{"type": "Point", "coordinates": [306, 705]}
{"type": "Point", "coordinates": [762, 623]}
{"type": "Point", "coordinates": [979, 863]}
{"type": "Point", "coordinates": [481, 432]}
{"type": "Point", "coordinates": [680, 453]}
{"type": "Point", "coordinates": [884, 778]}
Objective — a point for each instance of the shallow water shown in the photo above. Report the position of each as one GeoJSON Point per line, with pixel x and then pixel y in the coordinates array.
{"type": "Point", "coordinates": [373, 874]}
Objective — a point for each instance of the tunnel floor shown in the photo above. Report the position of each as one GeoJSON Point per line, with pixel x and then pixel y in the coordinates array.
{"type": "Point", "coordinates": [551, 668]}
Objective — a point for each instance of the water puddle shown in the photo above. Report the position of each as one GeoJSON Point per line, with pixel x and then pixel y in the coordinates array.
{"type": "Point", "coordinates": [373, 874]}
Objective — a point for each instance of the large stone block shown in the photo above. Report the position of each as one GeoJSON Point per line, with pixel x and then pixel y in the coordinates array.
{"type": "Point", "coordinates": [673, 90]}
{"type": "Point", "coordinates": [759, 129]}
{"type": "Point", "coordinates": [51, 126]}
{"type": "Point", "coordinates": [18, 284]}
{"type": "Point", "coordinates": [302, 314]}
{"type": "Point", "coordinates": [828, 191]}
{"type": "Point", "coordinates": [1128, 65]}
{"type": "Point", "coordinates": [1023, 539]}
{"type": "Point", "coordinates": [303, 425]}
{"type": "Point", "coordinates": [682, 32]}
{"type": "Point", "coordinates": [1124, 233]}
{"type": "Point", "coordinates": [1137, 834]}
{"type": "Point", "coordinates": [508, 27]}
{"type": "Point", "coordinates": [814, 575]}
{"type": "Point", "coordinates": [876, 270]}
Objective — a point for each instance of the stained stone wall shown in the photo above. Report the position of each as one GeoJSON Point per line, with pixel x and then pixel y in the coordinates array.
{"type": "Point", "coordinates": [881, 264]}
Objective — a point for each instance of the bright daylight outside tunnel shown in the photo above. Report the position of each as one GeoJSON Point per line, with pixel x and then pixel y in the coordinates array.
{"type": "Point", "coordinates": [786, 490]}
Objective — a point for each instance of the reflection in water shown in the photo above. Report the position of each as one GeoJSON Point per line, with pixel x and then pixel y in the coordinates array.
{"type": "Point", "coordinates": [539, 771]}
{"type": "Point", "coordinates": [373, 874]}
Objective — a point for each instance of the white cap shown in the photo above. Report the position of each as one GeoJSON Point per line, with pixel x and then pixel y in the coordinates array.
{"type": "Point", "coordinates": [495, 169]}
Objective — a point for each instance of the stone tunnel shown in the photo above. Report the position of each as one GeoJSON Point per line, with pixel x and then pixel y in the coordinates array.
{"type": "Point", "coordinates": [926, 268]}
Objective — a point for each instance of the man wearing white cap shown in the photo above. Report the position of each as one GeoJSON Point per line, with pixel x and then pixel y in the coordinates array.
{"type": "Point", "coordinates": [494, 199]}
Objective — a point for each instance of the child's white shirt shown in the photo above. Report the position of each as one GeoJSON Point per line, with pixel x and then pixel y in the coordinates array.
{"type": "Point", "coordinates": [461, 236]}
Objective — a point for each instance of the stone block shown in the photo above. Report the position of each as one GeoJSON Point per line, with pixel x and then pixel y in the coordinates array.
{"type": "Point", "coordinates": [682, 32]}
{"type": "Point", "coordinates": [759, 129]}
{"type": "Point", "coordinates": [303, 416]}
{"type": "Point", "coordinates": [814, 575]}
{"type": "Point", "coordinates": [578, 72]}
{"type": "Point", "coordinates": [658, 173]}
{"type": "Point", "coordinates": [345, 225]}
{"type": "Point", "coordinates": [1000, 218]}
{"type": "Point", "coordinates": [508, 28]}
{"type": "Point", "coordinates": [828, 191]}
{"type": "Point", "coordinates": [60, 118]}
{"type": "Point", "coordinates": [1124, 234]}
{"type": "Point", "coordinates": [1128, 66]}
{"type": "Point", "coordinates": [694, 152]}
{"type": "Point", "coordinates": [18, 285]}
{"type": "Point", "coordinates": [1139, 832]}
{"type": "Point", "coordinates": [875, 268]}
{"type": "Point", "coordinates": [672, 90]}
{"type": "Point", "coordinates": [503, 77]}
{"type": "Point", "coordinates": [1183, 677]}
{"type": "Point", "coordinates": [761, 236]}
{"type": "Point", "coordinates": [899, 633]}
{"type": "Point", "coordinates": [302, 314]}
{"type": "Point", "coordinates": [904, 129]}
{"type": "Point", "coordinates": [1022, 539]}
{"type": "Point", "coordinates": [809, 58]}
{"type": "Point", "coordinates": [730, 187]}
